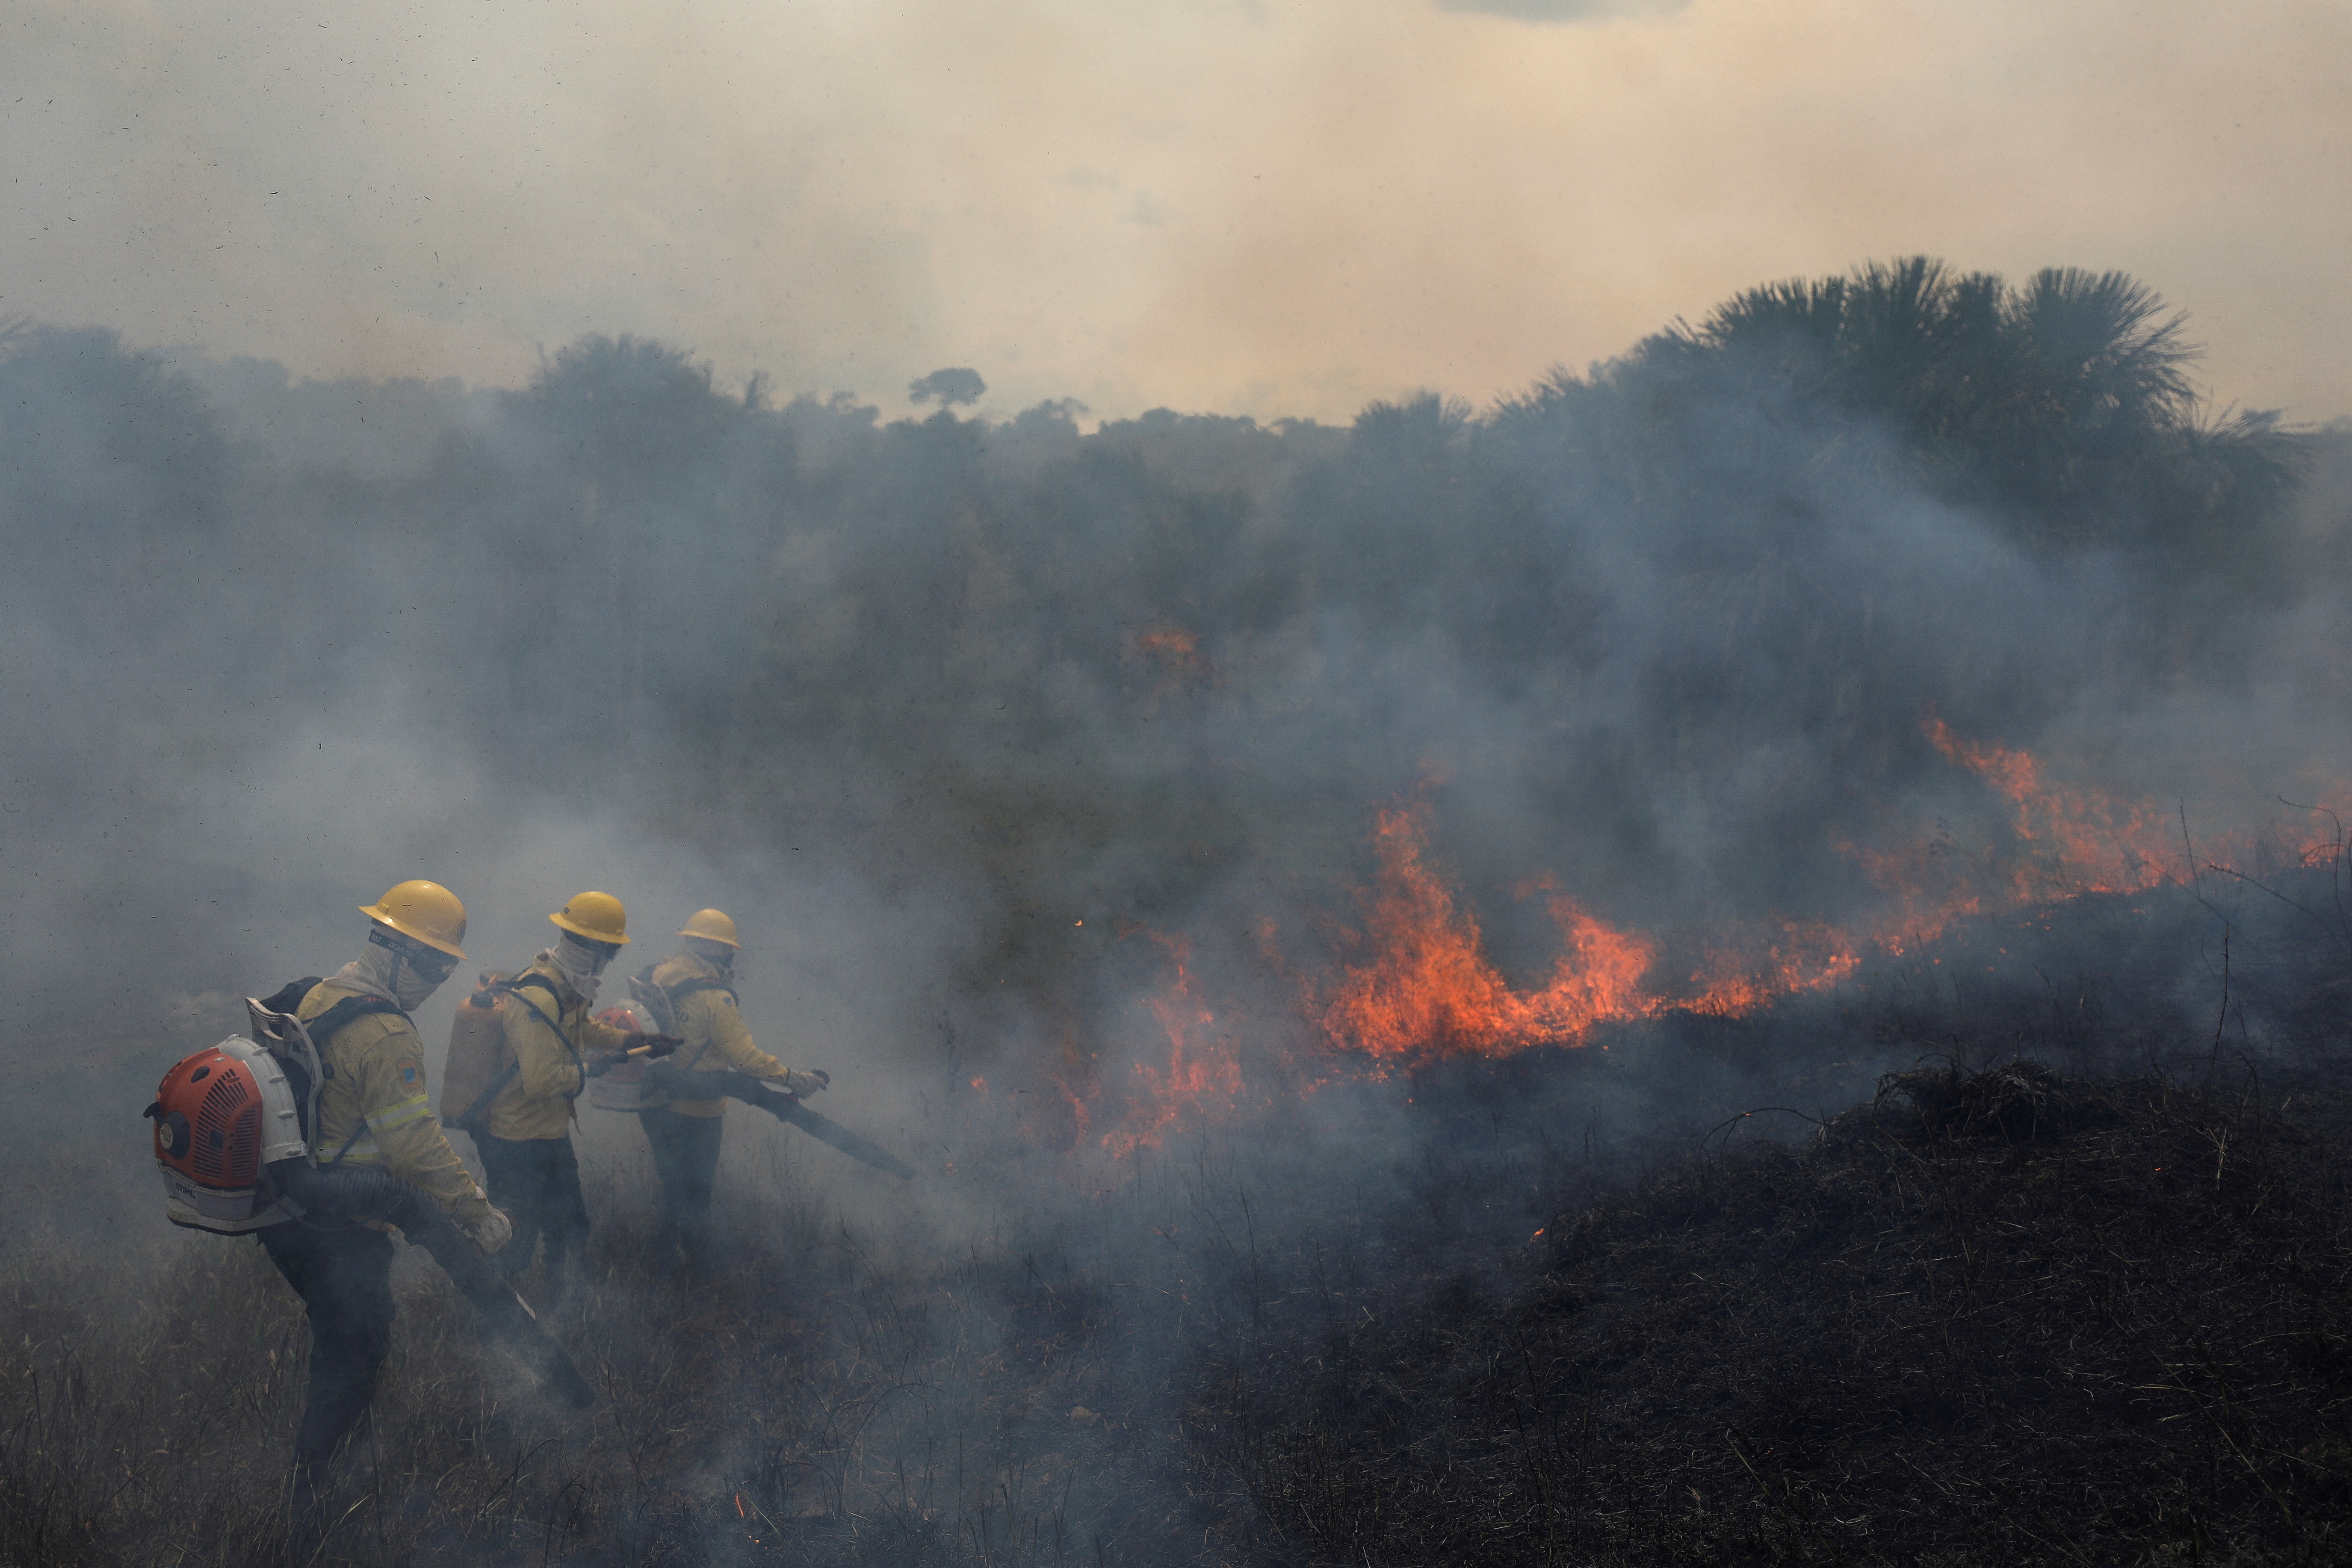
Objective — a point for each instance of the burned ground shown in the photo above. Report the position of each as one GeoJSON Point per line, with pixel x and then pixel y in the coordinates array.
{"type": "Point", "coordinates": [1992, 1318]}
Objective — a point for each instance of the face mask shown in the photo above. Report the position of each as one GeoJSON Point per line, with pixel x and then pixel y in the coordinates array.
{"type": "Point", "coordinates": [387, 970]}
{"type": "Point", "coordinates": [411, 986]}
{"type": "Point", "coordinates": [579, 963]}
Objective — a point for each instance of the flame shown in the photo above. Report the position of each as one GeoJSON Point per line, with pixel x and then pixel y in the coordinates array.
{"type": "Point", "coordinates": [2074, 839]}
{"type": "Point", "coordinates": [1413, 983]}
{"type": "Point", "coordinates": [1429, 991]}
{"type": "Point", "coordinates": [1803, 955]}
{"type": "Point", "coordinates": [1203, 1074]}
{"type": "Point", "coordinates": [1171, 645]}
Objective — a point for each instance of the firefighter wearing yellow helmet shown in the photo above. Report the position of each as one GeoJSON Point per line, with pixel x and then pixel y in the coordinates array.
{"type": "Point", "coordinates": [372, 1111]}
{"type": "Point", "coordinates": [699, 985]}
{"type": "Point", "coordinates": [554, 1046]}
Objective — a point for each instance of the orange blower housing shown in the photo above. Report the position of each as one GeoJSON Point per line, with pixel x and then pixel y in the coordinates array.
{"type": "Point", "coordinates": [221, 1116]}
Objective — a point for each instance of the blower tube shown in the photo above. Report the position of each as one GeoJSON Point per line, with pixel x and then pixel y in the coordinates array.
{"type": "Point", "coordinates": [731, 1085]}
{"type": "Point", "coordinates": [375, 1194]}
{"type": "Point", "coordinates": [725, 1084]}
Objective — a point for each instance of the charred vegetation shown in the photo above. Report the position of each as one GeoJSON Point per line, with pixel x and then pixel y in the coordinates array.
{"type": "Point", "coordinates": [1990, 1317]}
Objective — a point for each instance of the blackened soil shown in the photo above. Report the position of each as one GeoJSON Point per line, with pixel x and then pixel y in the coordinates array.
{"type": "Point", "coordinates": [1990, 1317]}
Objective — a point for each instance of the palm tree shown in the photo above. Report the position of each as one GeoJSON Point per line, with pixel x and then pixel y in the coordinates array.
{"type": "Point", "coordinates": [2065, 408]}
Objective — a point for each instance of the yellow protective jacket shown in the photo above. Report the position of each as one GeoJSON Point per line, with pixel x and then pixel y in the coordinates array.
{"type": "Point", "coordinates": [551, 1067]}
{"type": "Point", "coordinates": [711, 1028]}
{"type": "Point", "coordinates": [375, 1089]}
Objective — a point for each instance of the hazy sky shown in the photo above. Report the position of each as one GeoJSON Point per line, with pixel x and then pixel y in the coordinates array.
{"type": "Point", "coordinates": [1264, 207]}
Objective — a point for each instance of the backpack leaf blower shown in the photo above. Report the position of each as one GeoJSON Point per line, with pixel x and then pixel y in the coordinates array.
{"type": "Point", "coordinates": [232, 1139]}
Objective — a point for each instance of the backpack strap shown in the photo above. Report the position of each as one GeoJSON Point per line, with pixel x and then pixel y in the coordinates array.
{"type": "Point", "coordinates": [513, 1070]}
{"type": "Point", "coordinates": [541, 982]}
{"type": "Point", "coordinates": [289, 995]}
{"type": "Point", "coordinates": [685, 988]}
{"type": "Point", "coordinates": [350, 1009]}
{"type": "Point", "coordinates": [323, 1028]}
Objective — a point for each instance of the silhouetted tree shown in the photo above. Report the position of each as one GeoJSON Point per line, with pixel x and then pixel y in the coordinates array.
{"type": "Point", "coordinates": [949, 387]}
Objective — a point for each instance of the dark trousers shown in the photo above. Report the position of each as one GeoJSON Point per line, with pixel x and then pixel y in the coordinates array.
{"type": "Point", "coordinates": [344, 1277]}
{"type": "Point", "coordinates": [536, 1180]}
{"type": "Point", "coordinates": [685, 1154]}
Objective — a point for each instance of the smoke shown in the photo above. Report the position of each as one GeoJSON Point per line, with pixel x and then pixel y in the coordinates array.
{"type": "Point", "coordinates": [1667, 634]}
{"type": "Point", "coordinates": [1563, 10]}
{"type": "Point", "coordinates": [1039, 767]}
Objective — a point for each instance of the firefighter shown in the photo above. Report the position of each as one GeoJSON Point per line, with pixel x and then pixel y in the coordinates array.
{"type": "Point", "coordinates": [524, 1135]}
{"type": "Point", "coordinates": [701, 985]}
{"type": "Point", "coordinates": [371, 1111]}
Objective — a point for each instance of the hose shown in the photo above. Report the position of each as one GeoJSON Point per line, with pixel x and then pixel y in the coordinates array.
{"type": "Point", "coordinates": [368, 1194]}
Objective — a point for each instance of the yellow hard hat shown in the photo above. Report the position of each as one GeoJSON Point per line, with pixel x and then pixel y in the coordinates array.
{"type": "Point", "coordinates": [596, 916]}
{"type": "Point", "coordinates": [422, 911]}
{"type": "Point", "coordinates": [711, 925]}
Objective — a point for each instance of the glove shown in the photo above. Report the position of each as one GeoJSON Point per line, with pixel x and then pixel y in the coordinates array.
{"type": "Point", "coordinates": [800, 1084]}
{"type": "Point", "coordinates": [660, 1045]}
{"type": "Point", "coordinates": [490, 1232]}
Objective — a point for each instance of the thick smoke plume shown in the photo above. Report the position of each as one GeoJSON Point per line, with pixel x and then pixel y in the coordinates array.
{"type": "Point", "coordinates": [1681, 680]}
{"type": "Point", "coordinates": [1084, 792]}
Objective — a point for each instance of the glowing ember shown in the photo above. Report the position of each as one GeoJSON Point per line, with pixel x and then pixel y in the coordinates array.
{"type": "Point", "coordinates": [1171, 645]}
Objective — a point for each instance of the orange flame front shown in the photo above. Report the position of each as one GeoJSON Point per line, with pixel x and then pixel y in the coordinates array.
{"type": "Point", "coordinates": [1413, 983]}
{"type": "Point", "coordinates": [2070, 839]}
{"type": "Point", "coordinates": [1429, 990]}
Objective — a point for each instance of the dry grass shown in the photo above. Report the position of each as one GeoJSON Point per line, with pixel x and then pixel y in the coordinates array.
{"type": "Point", "coordinates": [811, 1403]}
